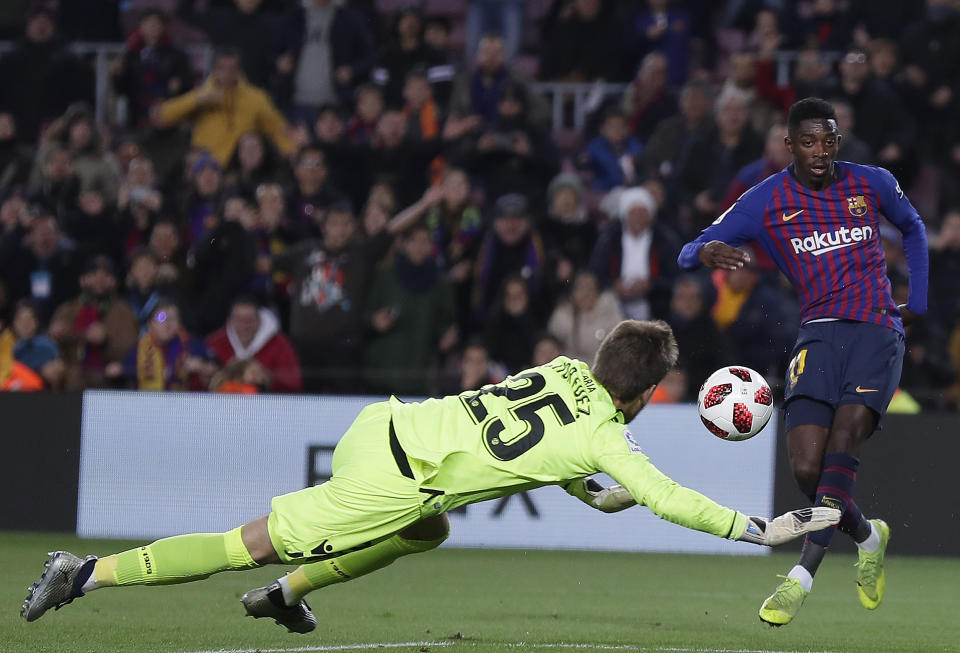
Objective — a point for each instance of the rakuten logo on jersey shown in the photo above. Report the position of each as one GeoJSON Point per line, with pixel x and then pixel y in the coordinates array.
{"type": "Point", "coordinates": [821, 243]}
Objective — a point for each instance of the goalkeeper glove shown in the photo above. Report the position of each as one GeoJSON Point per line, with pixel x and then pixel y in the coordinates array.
{"type": "Point", "coordinates": [605, 499]}
{"type": "Point", "coordinates": [789, 525]}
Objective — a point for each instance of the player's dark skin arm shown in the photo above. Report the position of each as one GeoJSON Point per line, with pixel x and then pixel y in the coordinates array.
{"type": "Point", "coordinates": [719, 255]}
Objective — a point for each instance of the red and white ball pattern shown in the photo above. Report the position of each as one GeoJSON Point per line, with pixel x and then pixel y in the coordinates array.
{"type": "Point", "coordinates": [735, 403]}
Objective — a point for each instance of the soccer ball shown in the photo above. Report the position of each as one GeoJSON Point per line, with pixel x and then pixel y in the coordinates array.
{"type": "Point", "coordinates": [735, 403]}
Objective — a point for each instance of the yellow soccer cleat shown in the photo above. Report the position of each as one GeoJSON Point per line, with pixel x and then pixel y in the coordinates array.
{"type": "Point", "coordinates": [783, 605]}
{"type": "Point", "coordinates": [871, 580]}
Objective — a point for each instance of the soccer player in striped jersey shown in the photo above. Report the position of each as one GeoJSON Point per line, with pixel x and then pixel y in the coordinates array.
{"type": "Point", "coordinates": [400, 467]}
{"type": "Point", "coordinates": [819, 220]}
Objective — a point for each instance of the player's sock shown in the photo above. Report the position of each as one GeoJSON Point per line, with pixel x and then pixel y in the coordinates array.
{"type": "Point", "coordinates": [837, 482]}
{"type": "Point", "coordinates": [802, 575]}
{"type": "Point", "coordinates": [871, 542]}
{"type": "Point", "coordinates": [811, 555]}
{"type": "Point", "coordinates": [307, 578]}
{"type": "Point", "coordinates": [179, 559]}
{"type": "Point", "coordinates": [854, 524]}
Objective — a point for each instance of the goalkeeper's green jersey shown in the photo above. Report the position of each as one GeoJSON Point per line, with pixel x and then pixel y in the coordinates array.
{"type": "Point", "coordinates": [548, 425]}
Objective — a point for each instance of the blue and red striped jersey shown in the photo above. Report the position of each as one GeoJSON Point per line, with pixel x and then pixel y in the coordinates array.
{"type": "Point", "coordinates": [827, 242]}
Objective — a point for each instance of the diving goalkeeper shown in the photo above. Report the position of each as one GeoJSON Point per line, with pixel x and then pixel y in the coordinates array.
{"type": "Point", "coordinates": [400, 467]}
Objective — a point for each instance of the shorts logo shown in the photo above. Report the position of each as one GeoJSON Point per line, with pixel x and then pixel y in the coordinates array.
{"type": "Point", "coordinates": [631, 442]}
{"type": "Point", "coordinates": [821, 243]}
{"type": "Point", "coordinates": [859, 389]}
{"type": "Point", "coordinates": [857, 205]}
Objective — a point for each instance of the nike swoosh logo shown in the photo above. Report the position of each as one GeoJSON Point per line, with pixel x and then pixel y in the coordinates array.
{"type": "Point", "coordinates": [788, 218]}
{"type": "Point", "coordinates": [859, 389]}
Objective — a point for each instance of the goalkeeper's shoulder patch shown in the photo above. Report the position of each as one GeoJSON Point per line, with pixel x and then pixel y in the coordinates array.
{"type": "Point", "coordinates": [632, 443]}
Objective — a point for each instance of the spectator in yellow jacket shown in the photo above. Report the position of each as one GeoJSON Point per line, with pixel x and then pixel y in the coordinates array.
{"type": "Point", "coordinates": [224, 108]}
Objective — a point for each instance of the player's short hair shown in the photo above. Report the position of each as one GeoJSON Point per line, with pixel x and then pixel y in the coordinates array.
{"type": "Point", "coordinates": [635, 356]}
{"type": "Point", "coordinates": [811, 108]}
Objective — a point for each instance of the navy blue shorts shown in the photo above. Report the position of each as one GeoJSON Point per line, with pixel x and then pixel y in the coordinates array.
{"type": "Point", "coordinates": [845, 362]}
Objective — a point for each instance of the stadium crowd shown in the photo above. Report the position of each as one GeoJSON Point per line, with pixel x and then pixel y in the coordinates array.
{"type": "Point", "coordinates": [371, 196]}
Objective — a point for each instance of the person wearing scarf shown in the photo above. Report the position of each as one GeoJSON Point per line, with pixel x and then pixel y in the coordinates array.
{"type": "Point", "coordinates": [166, 357]}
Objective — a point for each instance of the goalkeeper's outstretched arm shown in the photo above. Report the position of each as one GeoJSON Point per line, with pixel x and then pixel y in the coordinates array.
{"type": "Point", "coordinates": [671, 505]}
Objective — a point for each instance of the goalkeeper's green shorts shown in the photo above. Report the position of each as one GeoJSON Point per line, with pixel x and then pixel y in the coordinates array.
{"type": "Point", "coordinates": [366, 500]}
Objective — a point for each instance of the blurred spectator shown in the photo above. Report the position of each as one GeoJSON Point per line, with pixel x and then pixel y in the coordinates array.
{"type": "Point", "coordinates": [649, 100]}
{"type": "Point", "coordinates": [637, 257]}
{"type": "Point", "coordinates": [253, 163]}
{"type": "Point", "coordinates": [143, 290]}
{"type": "Point", "coordinates": [852, 148]}
{"type": "Point", "coordinates": [945, 271]}
{"type": "Point", "coordinates": [582, 43]}
{"type": "Point", "coordinates": [502, 17]}
{"type": "Point", "coordinates": [511, 329]}
{"type": "Point", "coordinates": [92, 225]}
{"type": "Point", "coordinates": [478, 92]}
{"type": "Point", "coordinates": [273, 232]}
{"type": "Point", "coordinates": [437, 35]}
{"type": "Point", "coordinates": [931, 52]}
{"type": "Point", "coordinates": [702, 347]}
{"type": "Point", "coordinates": [584, 320]}
{"type": "Point", "coordinates": [151, 68]}
{"type": "Point", "coordinates": [410, 309]}
{"type": "Point", "coordinates": [710, 163]}
{"type": "Point", "coordinates": [472, 370]}
{"type": "Point", "coordinates": [224, 108]}
{"type": "Point", "coordinates": [139, 204]}
{"type": "Point", "coordinates": [612, 155]}
{"type": "Point", "coordinates": [421, 111]}
{"type": "Point", "coordinates": [754, 318]}
{"type": "Point", "coordinates": [202, 197]}
{"type": "Point", "coordinates": [95, 330]}
{"type": "Point", "coordinates": [34, 349]}
{"type": "Point", "coordinates": [569, 232]}
{"type": "Point", "coordinates": [53, 184]}
{"type": "Point", "coordinates": [329, 283]}
{"type": "Point", "coordinates": [247, 25]}
{"type": "Point", "coordinates": [514, 154]}
{"type": "Point", "coordinates": [775, 158]}
{"type": "Point", "coordinates": [810, 74]}
{"type": "Point", "coordinates": [370, 105]}
{"type": "Point", "coordinates": [165, 246]}
{"type": "Point", "coordinates": [881, 120]}
{"type": "Point", "coordinates": [313, 193]}
{"type": "Point", "coordinates": [223, 263]}
{"type": "Point", "coordinates": [403, 54]}
{"type": "Point", "coordinates": [673, 136]}
{"type": "Point", "coordinates": [511, 247]}
{"type": "Point", "coordinates": [546, 349]}
{"type": "Point", "coordinates": [166, 357]}
{"type": "Point", "coordinates": [828, 25]}
{"type": "Point", "coordinates": [77, 131]}
{"type": "Point", "coordinates": [661, 28]}
{"type": "Point", "coordinates": [15, 157]}
{"type": "Point", "coordinates": [14, 375]}
{"type": "Point", "coordinates": [38, 263]}
{"type": "Point", "coordinates": [752, 78]}
{"type": "Point", "coordinates": [40, 76]}
{"type": "Point", "coordinates": [329, 50]}
{"type": "Point", "coordinates": [252, 333]}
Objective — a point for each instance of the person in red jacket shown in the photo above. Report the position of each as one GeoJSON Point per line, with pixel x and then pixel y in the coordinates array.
{"type": "Point", "coordinates": [253, 333]}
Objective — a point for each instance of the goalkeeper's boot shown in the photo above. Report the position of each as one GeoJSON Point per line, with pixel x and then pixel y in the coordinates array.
{"type": "Point", "coordinates": [871, 580]}
{"type": "Point", "coordinates": [57, 586]}
{"type": "Point", "coordinates": [268, 602]}
{"type": "Point", "coordinates": [783, 605]}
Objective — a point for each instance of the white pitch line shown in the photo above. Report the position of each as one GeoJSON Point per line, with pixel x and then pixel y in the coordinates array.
{"type": "Point", "coordinates": [332, 647]}
{"type": "Point", "coordinates": [558, 645]}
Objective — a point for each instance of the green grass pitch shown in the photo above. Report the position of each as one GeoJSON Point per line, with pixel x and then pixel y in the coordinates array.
{"type": "Point", "coordinates": [474, 601]}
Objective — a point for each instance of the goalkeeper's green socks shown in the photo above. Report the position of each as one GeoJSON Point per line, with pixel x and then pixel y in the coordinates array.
{"type": "Point", "coordinates": [309, 577]}
{"type": "Point", "coordinates": [179, 559]}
